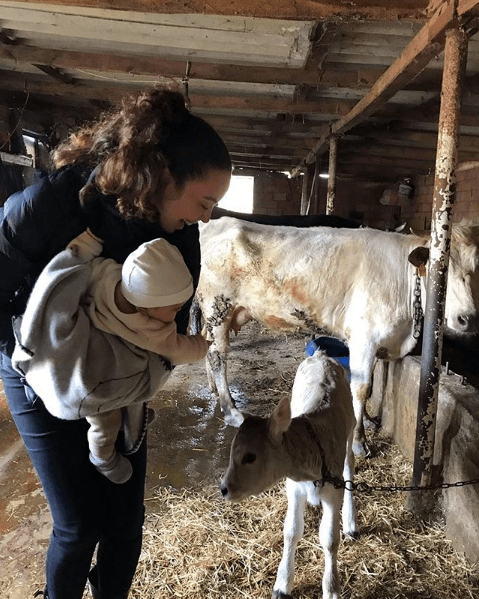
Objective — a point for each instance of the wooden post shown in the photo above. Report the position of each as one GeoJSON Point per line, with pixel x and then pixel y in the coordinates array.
{"type": "Point", "coordinates": [314, 208]}
{"type": "Point", "coordinates": [304, 192]}
{"type": "Point", "coordinates": [333, 159]}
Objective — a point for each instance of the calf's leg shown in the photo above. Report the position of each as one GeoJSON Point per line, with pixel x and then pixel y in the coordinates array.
{"type": "Point", "coordinates": [349, 508]}
{"type": "Point", "coordinates": [293, 531]}
{"type": "Point", "coordinates": [329, 537]}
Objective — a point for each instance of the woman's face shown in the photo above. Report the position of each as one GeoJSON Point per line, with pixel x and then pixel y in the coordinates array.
{"type": "Point", "coordinates": [194, 202]}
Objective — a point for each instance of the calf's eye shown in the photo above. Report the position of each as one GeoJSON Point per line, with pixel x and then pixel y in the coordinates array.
{"type": "Point", "coordinates": [248, 458]}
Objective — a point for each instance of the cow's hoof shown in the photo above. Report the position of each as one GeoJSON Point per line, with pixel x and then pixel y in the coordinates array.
{"type": "Point", "coordinates": [279, 595]}
{"type": "Point", "coordinates": [234, 418]}
{"type": "Point", "coordinates": [362, 450]}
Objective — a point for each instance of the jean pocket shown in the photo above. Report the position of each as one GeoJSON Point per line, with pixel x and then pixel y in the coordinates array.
{"type": "Point", "coordinates": [30, 394]}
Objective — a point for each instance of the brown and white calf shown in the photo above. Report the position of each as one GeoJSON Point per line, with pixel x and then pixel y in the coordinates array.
{"type": "Point", "coordinates": [357, 285]}
{"type": "Point", "coordinates": [307, 441]}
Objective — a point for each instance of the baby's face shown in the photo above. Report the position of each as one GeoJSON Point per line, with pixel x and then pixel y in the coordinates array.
{"type": "Point", "coordinates": [164, 314]}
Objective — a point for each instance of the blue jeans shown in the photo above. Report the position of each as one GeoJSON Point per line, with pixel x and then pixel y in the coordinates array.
{"type": "Point", "coordinates": [87, 508]}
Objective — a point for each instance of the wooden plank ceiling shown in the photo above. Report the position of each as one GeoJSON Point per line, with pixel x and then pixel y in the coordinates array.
{"type": "Point", "coordinates": [276, 78]}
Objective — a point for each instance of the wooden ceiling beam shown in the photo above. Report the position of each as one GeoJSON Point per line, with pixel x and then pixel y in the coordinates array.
{"type": "Point", "coordinates": [334, 75]}
{"type": "Point", "coordinates": [426, 45]}
{"type": "Point", "coordinates": [55, 74]}
{"type": "Point", "coordinates": [380, 161]}
{"type": "Point", "coordinates": [268, 154]}
{"type": "Point", "coordinates": [258, 126]}
{"type": "Point", "coordinates": [329, 107]}
{"type": "Point", "coordinates": [322, 38]}
{"type": "Point", "coordinates": [279, 141]}
{"type": "Point", "coordinates": [379, 10]}
{"type": "Point", "coordinates": [145, 65]}
{"type": "Point", "coordinates": [411, 139]}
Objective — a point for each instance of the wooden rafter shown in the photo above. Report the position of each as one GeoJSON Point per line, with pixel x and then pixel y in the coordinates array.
{"type": "Point", "coordinates": [427, 44]}
{"type": "Point", "coordinates": [380, 10]}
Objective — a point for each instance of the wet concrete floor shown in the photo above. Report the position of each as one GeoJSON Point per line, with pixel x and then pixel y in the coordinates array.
{"type": "Point", "coordinates": [188, 446]}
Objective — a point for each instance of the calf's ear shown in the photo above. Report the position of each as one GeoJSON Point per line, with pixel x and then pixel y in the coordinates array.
{"type": "Point", "coordinates": [280, 419]}
{"type": "Point", "coordinates": [419, 256]}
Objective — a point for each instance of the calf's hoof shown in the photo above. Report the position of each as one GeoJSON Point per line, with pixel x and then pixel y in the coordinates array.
{"type": "Point", "coordinates": [234, 418]}
{"type": "Point", "coordinates": [361, 449]}
{"type": "Point", "coordinates": [371, 424]}
{"type": "Point", "coordinates": [279, 595]}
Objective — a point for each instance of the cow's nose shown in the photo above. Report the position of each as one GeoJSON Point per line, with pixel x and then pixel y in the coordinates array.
{"type": "Point", "coordinates": [468, 323]}
{"type": "Point", "coordinates": [224, 490]}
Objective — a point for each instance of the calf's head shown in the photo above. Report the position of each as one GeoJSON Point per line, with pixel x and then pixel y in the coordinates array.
{"type": "Point", "coordinates": [257, 461]}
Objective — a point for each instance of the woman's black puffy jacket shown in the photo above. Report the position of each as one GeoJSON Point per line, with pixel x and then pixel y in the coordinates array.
{"type": "Point", "coordinates": [41, 220]}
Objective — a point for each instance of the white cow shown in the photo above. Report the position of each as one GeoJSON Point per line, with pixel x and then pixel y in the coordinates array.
{"type": "Point", "coordinates": [354, 284]}
{"type": "Point", "coordinates": [307, 441]}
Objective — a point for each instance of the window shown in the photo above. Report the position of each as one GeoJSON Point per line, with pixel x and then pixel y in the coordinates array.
{"type": "Point", "coordinates": [30, 144]}
{"type": "Point", "coordinates": [239, 197]}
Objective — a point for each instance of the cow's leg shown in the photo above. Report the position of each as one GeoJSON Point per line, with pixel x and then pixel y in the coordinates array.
{"type": "Point", "coordinates": [210, 376]}
{"type": "Point", "coordinates": [195, 317]}
{"type": "Point", "coordinates": [361, 362]}
{"type": "Point", "coordinates": [217, 377]}
{"type": "Point", "coordinates": [349, 509]}
{"type": "Point", "coordinates": [293, 531]}
{"type": "Point", "coordinates": [329, 537]}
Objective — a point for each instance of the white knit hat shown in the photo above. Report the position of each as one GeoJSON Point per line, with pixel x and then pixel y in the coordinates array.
{"type": "Point", "coordinates": [156, 275]}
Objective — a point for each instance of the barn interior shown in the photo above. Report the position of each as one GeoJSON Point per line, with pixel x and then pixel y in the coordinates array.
{"type": "Point", "coordinates": [314, 99]}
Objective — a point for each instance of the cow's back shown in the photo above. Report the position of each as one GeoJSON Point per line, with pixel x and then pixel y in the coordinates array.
{"type": "Point", "coordinates": [282, 274]}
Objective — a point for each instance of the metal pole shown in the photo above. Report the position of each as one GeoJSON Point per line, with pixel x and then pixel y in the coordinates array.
{"type": "Point", "coordinates": [304, 192]}
{"type": "Point", "coordinates": [455, 58]}
{"type": "Point", "coordinates": [333, 160]}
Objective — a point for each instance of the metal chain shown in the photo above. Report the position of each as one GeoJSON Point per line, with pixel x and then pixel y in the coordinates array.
{"type": "Point", "coordinates": [418, 313]}
{"type": "Point", "coordinates": [363, 487]}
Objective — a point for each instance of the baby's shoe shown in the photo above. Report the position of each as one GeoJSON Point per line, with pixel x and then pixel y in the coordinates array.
{"type": "Point", "coordinates": [118, 468]}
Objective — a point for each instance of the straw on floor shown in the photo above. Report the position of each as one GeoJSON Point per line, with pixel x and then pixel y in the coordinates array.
{"type": "Point", "coordinates": [198, 545]}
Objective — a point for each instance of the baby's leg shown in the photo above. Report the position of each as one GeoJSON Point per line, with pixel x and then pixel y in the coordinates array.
{"type": "Point", "coordinates": [102, 435]}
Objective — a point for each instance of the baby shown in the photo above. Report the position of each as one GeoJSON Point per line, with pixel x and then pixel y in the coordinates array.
{"type": "Point", "coordinates": [138, 302]}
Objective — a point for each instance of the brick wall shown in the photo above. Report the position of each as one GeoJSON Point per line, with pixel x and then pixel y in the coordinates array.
{"type": "Point", "coordinates": [418, 211]}
{"type": "Point", "coordinates": [360, 200]}
{"type": "Point", "coordinates": [275, 193]}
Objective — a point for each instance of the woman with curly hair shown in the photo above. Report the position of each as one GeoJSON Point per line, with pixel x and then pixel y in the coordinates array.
{"type": "Point", "coordinates": [148, 170]}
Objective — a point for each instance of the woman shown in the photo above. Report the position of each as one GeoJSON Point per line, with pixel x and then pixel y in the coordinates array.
{"type": "Point", "coordinates": [150, 169]}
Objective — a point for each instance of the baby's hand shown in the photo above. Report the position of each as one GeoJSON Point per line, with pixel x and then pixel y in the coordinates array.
{"type": "Point", "coordinates": [207, 335]}
{"type": "Point", "coordinates": [86, 246]}
{"type": "Point", "coordinates": [202, 342]}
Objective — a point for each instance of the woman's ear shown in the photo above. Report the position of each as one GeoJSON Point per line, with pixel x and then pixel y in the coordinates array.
{"type": "Point", "coordinates": [280, 419]}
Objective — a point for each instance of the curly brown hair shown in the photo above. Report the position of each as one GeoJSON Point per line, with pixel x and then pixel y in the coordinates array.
{"type": "Point", "coordinates": [139, 147]}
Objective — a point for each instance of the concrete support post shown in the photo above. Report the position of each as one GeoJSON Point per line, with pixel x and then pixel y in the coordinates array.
{"type": "Point", "coordinates": [333, 160]}
{"type": "Point", "coordinates": [455, 57]}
